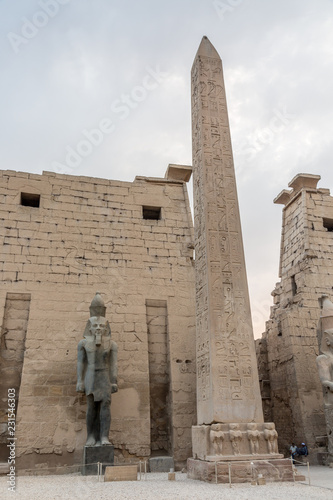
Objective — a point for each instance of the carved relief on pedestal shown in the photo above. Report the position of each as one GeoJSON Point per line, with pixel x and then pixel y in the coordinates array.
{"type": "Point", "coordinates": [236, 437]}
{"type": "Point", "coordinates": [216, 438]}
{"type": "Point", "coordinates": [271, 436]}
{"type": "Point", "coordinates": [234, 441]}
{"type": "Point", "coordinates": [253, 436]}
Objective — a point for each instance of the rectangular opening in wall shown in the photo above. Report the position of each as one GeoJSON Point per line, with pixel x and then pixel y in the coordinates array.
{"type": "Point", "coordinates": [30, 200]}
{"type": "Point", "coordinates": [293, 285]}
{"type": "Point", "coordinates": [279, 329]}
{"type": "Point", "coordinates": [159, 377]}
{"type": "Point", "coordinates": [328, 224]}
{"type": "Point", "coordinates": [153, 213]}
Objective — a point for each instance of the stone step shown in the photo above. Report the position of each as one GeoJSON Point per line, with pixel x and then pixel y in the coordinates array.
{"type": "Point", "coordinates": [4, 468]}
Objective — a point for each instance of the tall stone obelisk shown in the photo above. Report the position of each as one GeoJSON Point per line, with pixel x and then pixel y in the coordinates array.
{"type": "Point", "coordinates": [229, 408]}
{"type": "Point", "coordinates": [227, 380]}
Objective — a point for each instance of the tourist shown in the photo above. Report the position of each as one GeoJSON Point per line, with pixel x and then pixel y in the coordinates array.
{"type": "Point", "coordinates": [293, 451]}
{"type": "Point", "coordinates": [303, 450]}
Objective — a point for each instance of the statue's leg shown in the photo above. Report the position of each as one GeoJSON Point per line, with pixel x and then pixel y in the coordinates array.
{"type": "Point", "coordinates": [105, 421]}
{"type": "Point", "coordinates": [91, 410]}
{"type": "Point", "coordinates": [97, 422]}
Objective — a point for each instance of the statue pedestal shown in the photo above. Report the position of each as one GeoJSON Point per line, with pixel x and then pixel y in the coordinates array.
{"type": "Point", "coordinates": [328, 409]}
{"type": "Point", "coordinates": [94, 454]}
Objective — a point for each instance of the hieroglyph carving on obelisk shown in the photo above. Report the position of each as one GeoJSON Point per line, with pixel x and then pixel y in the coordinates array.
{"type": "Point", "coordinates": [227, 379]}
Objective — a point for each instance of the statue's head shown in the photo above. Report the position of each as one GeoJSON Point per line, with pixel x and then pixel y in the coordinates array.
{"type": "Point", "coordinates": [234, 427]}
{"type": "Point", "coordinates": [328, 335]}
{"type": "Point", "coordinates": [98, 326]}
{"type": "Point", "coordinates": [216, 427]}
{"type": "Point", "coordinates": [97, 307]}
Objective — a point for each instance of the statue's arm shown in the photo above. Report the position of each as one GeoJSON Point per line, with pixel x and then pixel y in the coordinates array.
{"type": "Point", "coordinates": [323, 364]}
{"type": "Point", "coordinates": [113, 367]}
{"type": "Point", "coordinates": [81, 357]}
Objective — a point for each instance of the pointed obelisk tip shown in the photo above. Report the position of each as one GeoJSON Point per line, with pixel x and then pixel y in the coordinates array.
{"type": "Point", "coordinates": [206, 48]}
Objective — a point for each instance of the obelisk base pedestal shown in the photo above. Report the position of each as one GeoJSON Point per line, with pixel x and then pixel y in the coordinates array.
{"type": "Point", "coordinates": [273, 470]}
{"type": "Point", "coordinates": [237, 453]}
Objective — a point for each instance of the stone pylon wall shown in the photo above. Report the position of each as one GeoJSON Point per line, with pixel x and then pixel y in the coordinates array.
{"type": "Point", "coordinates": [132, 242]}
{"type": "Point", "coordinates": [290, 342]}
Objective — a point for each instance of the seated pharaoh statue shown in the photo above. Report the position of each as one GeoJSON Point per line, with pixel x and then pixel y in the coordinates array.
{"type": "Point", "coordinates": [325, 359]}
{"type": "Point", "coordinates": [97, 373]}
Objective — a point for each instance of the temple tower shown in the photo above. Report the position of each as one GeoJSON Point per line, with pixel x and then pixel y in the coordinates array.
{"type": "Point", "coordinates": [290, 343]}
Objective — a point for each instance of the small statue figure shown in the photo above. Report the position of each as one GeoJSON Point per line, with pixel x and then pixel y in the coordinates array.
{"type": "Point", "coordinates": [216, 437]}
{"type": "Point", "coordinates": [271, 436]}
{"type": "Point", "coordinates": [236, 436]}
{"type": "Point", "coordinates": [97, 373]}
{"type": "Point", "coordinates": [253, 435]}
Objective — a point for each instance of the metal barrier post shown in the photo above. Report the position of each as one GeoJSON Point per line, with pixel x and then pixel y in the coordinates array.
{"type": "Point", "coordinates": [215, 472]}
{"type": "Point", "coordinates": [229, 466]}
{"type": "Point", "coordinates": [309, 473]}
{"type": "Point", "coordinates": [145, 470]}
{"type": "Point", "coordinates": [293, 468]}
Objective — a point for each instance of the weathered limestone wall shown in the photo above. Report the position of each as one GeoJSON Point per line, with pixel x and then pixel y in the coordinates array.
{"type": "Point", "coordinates": [306, 271]}
{"type": "Point", "coordinates": [90, 235]}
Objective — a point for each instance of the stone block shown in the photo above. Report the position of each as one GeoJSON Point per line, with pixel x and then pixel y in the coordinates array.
{"type": "Point", "coordinates": [161, 464]}
{"type": "Point", "coordinates": [274, 470]}
{"type": "Point", "coordinates": [4, 469]}
{"type": "Point", "coordinates": [121, 473]}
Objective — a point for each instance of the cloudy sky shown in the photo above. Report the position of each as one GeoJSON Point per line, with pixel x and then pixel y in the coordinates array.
{"type": "Point", "coordinates": [123, 66]}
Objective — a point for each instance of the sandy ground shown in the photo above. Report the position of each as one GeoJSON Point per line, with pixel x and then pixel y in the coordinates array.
{"type": "Point", "coordinates": [157, 487]}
